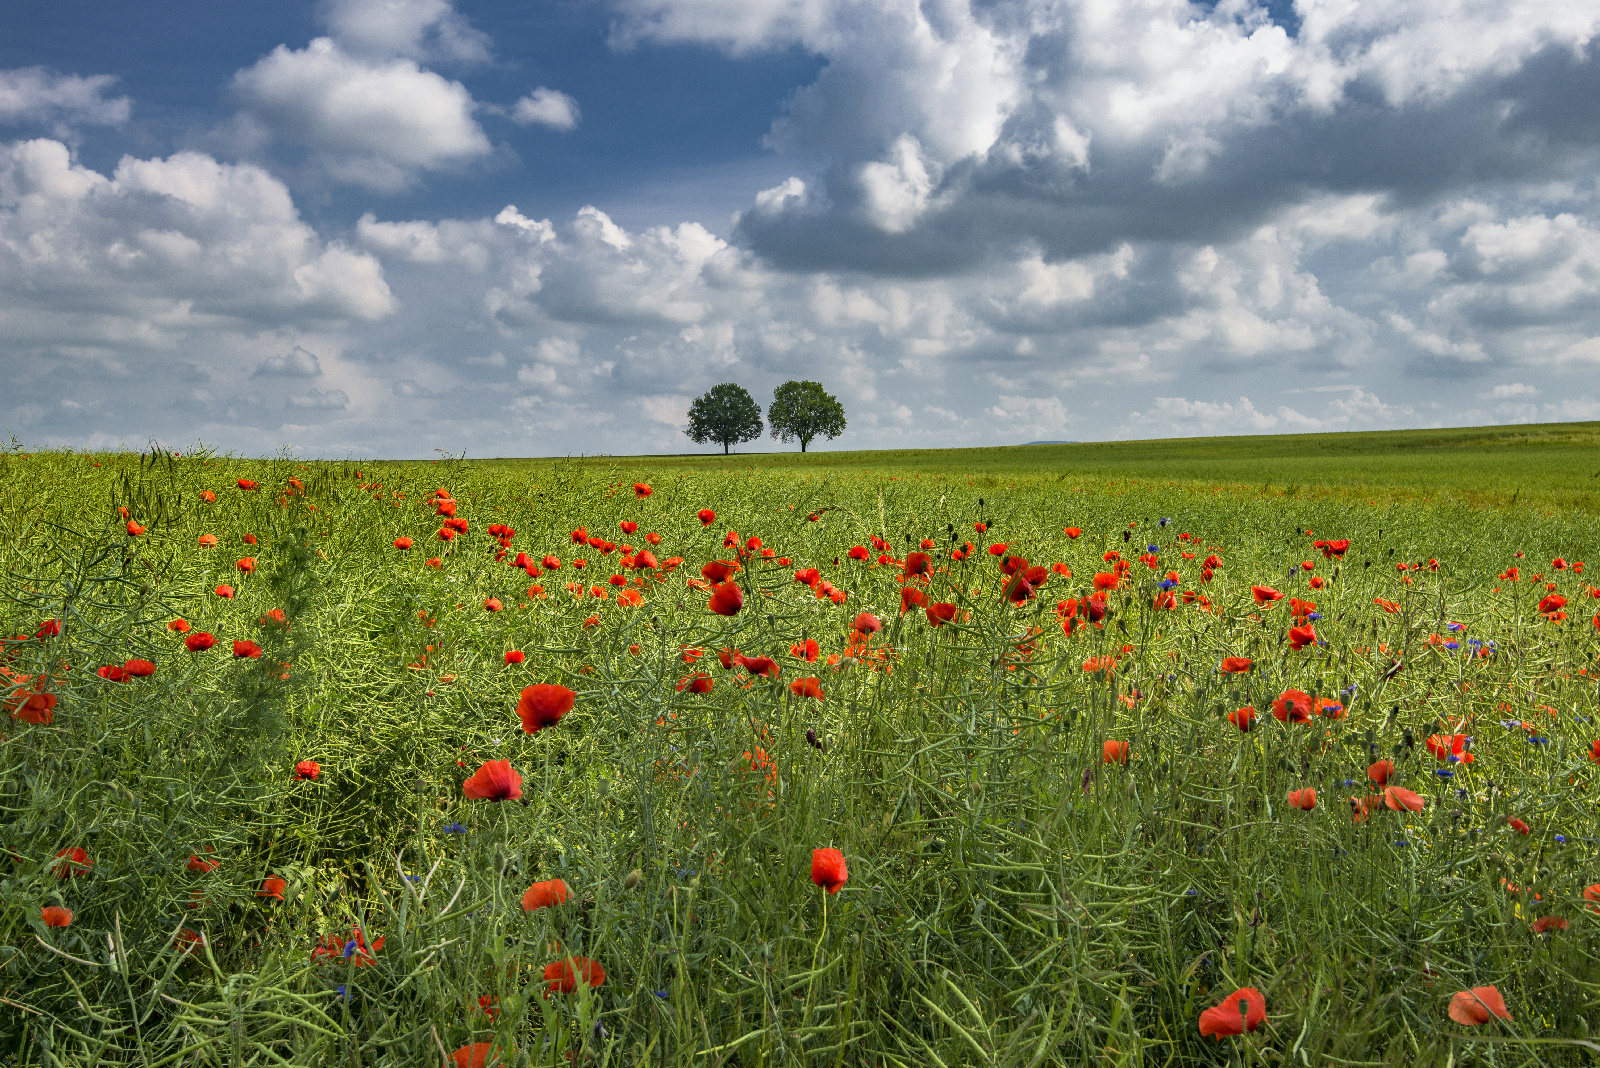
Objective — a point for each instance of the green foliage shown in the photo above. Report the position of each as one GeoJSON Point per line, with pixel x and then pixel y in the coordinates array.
{"type": "Point", "coordinates": [1012, 900]}
{"type": "Point", "coordinates": [724, 414]}
{"type": "Point", "coordinates": [805, 410]}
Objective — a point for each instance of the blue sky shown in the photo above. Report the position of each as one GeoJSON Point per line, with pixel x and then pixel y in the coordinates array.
{"type": "Point", "coordinates": [380, 227]}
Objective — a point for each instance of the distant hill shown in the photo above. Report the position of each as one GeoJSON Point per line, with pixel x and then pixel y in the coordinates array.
{"type": "Point", "coordinates": [1025, 443]}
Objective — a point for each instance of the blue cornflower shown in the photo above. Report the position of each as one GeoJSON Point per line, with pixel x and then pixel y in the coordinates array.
{"type": "Point", "coordinates": [1348, 782]}
{"type": "Point", "coordinates": [1152, 548]}
{"type": "Point", "coordinates": [1401, 842]}
{"type": "Point", "coordinates": [1191, 893]}
{"type": "Point", "coordinates": [344, 995]}
{"type": "Point", "coordinates": [1452, 645]}
{"type": "Point", "coordinates": [1561, 839]}
{"type": "Point", "coordinates": [685, 873]}
{"type": "Point", "coordinates": [1167, 584]}
{"type": "Point", "coordinates": [1444, 773]}
{"type": "Point", "coordinates": [1164, 520]}
{"type": "Point", "coordinates": [660, 993]}
{"type": "Point", "coordinates": [1455, 626]}
{"type": "Point", "coordinates": [454, 828]}
{"type": "Point", "coordinates": [1534, 739]}
{"type": "Point", "coordinates": [1349, 691]}
{"type": "Point", "coordinates": [349, 949]}
{"type": "Point", "coordinates": [1313, 616]}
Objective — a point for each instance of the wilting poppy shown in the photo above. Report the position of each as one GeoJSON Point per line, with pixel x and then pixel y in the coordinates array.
{"type": "Point", "coordinates": [828, 869]}
{"type": "Point", "coordinates": [1475, 1006]}
{"type": "Point", "coordinates": [199, 642]}
{"type": "Point", "coordinates": [1243, 1010]}
{"type": "Point", "coordinates": [1292, 706]}
{"type": "Point", "coordinates": [940, 613]}
{"type": "Point", "coordinates": [272, 886]}
{"type": "Point", "coordinates": [244, 648]}
{"type": "Point", "coordinates": [565, 975]}
{"type": "Point", "coordinates": [1235, 665]}
{"type": "Point", "coordinates": [706, 516]}
{"type": "Point", "coordinates": [726, 599]}
{"type": "Point", "coordinates": [544, 895]}
{"type": "Point", "coordinates": [56, 916]}
{"type": "Point", "coordinates": [307, 769]}
{"type": "Point", "coordinates": [70, 862]}
{"type": "Point", "coordinates": [1380, 770]}
{"type": "Point", "coordinates": [1305, 799]}
{"type": "Point", "coordinates": [807, 687]}
{"type": "Point", "coordinates": [543, 704]}
{"type": "Point", "coordinates": [496, 780]}
{"type": "Point", "coordinates": [403, 543]}
{"type": "Point", "coordinates": [1398, 798]}
{"type": "Point", "coordinates": [1114, 753]}
{"type": "Point", "coordinates": [1243, 718]}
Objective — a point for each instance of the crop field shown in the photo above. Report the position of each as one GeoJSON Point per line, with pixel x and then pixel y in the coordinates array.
{"type": "Point", "coordinates": [1262, 752]}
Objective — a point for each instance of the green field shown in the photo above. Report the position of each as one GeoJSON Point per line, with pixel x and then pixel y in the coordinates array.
{"type": "Point", "coordinates": [1013, 896]}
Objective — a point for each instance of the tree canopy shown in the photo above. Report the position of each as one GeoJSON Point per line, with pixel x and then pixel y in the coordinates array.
{"type": "Point", "coordinates": [724, 414]}
{"type": "Point", "coordinates": [804, 410]}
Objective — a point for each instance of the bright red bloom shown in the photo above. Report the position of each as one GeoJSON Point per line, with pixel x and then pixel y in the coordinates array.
{"type": "Point", "coordinates": [696, 684]}
{"type": "Point", "coordinates": [858, 552]}
{"type": "Point", "coordinates": [56, 916]}
{"type": "Point", "coordinates": [225, 591]}
{"type": "Point", "coordinates": [1071, 532]}
{"type": "Point", "coordinates": [1243, 1010]}
{"type": "Point", "coordinates": [1475, 1006]}
{"type": "Point", "coordinates": [1236, 665]}
{"type": "Point", "coordinates": [1300, 637]}
{"type": "Point", "coordinates": [941, 613]}
{"type": "Point", "coordinates": [244, 648]}
{"type": "Point", "coordinates": [1243, 718]}
{"type": "Point", "coordinates": [495, 780]}
{"type": "Point", "coordinates": [828, 869]}
{"type": "Point", "coordinates": [402, 543]}
{"type": "Point", "coordinates": [1518, 826]}
{"type": "Point", "coordinates": [565, 975]}
{"type": "Point", "coordinates": [544, 895]}
{"type": "Point", "coordinates": [113, 673]}
{"type": "Point", "coordinates": [179, 626]}
{"type": "Point", "coordinates": [716, 571]}
{"type": "Point", "coordinates": [911, 597]}
{"type": "Point", "coordinates": [1107, 580]}
{"type": "Point", "coordinates": [807, 651]}
{"type": "Point", "coordinates": [272, 886]}
{"type": "Point", "coordinates": [1292, 706]}
{"type": "Point", "coordinates": [134, 529]}
{"type": "Point", "coordinates": [1380, 770]}
{"type": "Point", "coordinates": [807, 687]}
{"type": "Point", "coordinates": [307, 769]}
{"type": "Point", "coordinates": [138, 669]}
{"type": "Point", "coordinates": [1398, 797]}
{"type": "Point", "coordinates": [246, 484]}
{"type": "Point", "coordinates": [758, 665]}
{"type": "Point", "coordinates": [70, 862]}
{"type": "Point", "coordinates": [543, 704]}
{"type": "Point", "coordinates": [200, 864]}
{"type": "Point", "coordinates": [917, 564]}
{"type": "Point", "coordinates": [492, 604]}
{"type": "Point", "coordinates": [707, 517]}
{"type": "Point", "coordinates": [1265, 594]}
{"type": "Point", "coordinates": [867, 623]}
{"type": "Point", "coordinates": [477, 1055]}
{"type": "Point", "coordinates": [247, 565]}
{"type": "Point", "coordinates": [1114, 753]}
{"type": "Point", "coordinates": [1304, 799]}
{"type": "Point", "coordinates": [726, 599]}
{"type": "Point", "coordinates": [1450, 747]}
{"type": "Point", "coordinates": [642, 489]}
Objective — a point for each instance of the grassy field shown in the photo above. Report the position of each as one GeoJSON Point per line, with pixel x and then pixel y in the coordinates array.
{"type": "Point", "coordinates": [1061, 847]}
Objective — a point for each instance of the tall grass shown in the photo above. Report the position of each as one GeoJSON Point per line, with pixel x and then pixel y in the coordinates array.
{"type": "Point", "coordinates": [1012, 900]}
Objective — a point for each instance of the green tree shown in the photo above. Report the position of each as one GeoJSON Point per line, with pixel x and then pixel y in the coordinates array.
{"type": "Point", "coordinates": [725, 414]}
{"type": "Point", "coordinates": [804, 410]}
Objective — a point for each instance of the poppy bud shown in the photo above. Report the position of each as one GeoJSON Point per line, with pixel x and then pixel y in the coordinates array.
{"type": "Point", "coordinates": [634, 880]}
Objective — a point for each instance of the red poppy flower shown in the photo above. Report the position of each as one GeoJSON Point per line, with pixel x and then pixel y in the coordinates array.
{"type": "Point", "coordinates": [205, 495]}
{"type": "Point", "coordinates": [1300, 637]}
{"type": "Point", "coordinates": [1107, 580]}
{"type": "Point", "coordinates": [1071, 532]}
{"type": "Point", "coordinates": [941, 613]}
{"type": "Point", "coordinates": [1265, 594]}
{"type": "Point", "coordinates": [139, 669]}
{"type": "Point", "coordinates": [402, 543]}
{"type": "Point", "coordinates": [1243, 718]}
{"type": "Point", "coordinates": [434, 561]}
{"type": "Point", "coordinates": [565, 975]}
{"type": "Point", "coordinates": [246, 484]}
{"type": "Point", "coordinates": [244, 648]}
{"type": "Point", "coordinates": [696, 684]}
{"type": "Point", "coordinates": [224, 591]}
{"type": "Point", "coordinates": [246, 565]}
{"type": "Point", "coordinates": [307, 769]}
{"type": "Point", "coordinates": [726, 599]}
{"type": "Point", "coordinates": [495, 780]}
{"type": "Point", "coordinates": [1518, 826]}
{"type": "Point", "coordinates": [758, 665]}
{"type": "Point", "coordinates": [806, 651]}
{"type": "Point", "coordinates": [828, 869]}
{"type": "Point", "coordinates": [858, 552]}
{"type": "Point", "coordinates": [272, 886]}
{"type": "Point", "coordinates": [56, 916]}
{"type": "Point", "coordinates": [70, 862]}
{"type": "Point", "coordinates": [642, 489]}
{"type": "Point", "coordinates": [1236, 665]}
{"type": "Point", "coordinates": [807, 687]}
{"type": "Point", "coordinates": [1548, 923]}
{"type": "Point", "coordinates": [1475, 1006]}
{"type": "Point", "coordinates": [188, 940]}
{"type": "Point", "coordinates": [492, 604]}
{"type": "Point", "coordinates": [1292, 706]}
{"type": "Point", "coordinates": [867, 623]}
{"type": "Point", "coordinates": [1398, 797]}
{"type": "Point", "coordinates": [918, 563]}
{"type": "Point", "coordinates": [1450, 747]}
{"type": "Point", "coordinates": [1380, 770]}
{"type": "Point", "coordinates": [200, 864]}
{"type": "Point", "coordinates": [1303, 799]}
{"type": "Point", "coordinates": [477, 1055]}
{"type": "Point", "coordinates": [911, 597]}
{"type": "Point", "coordinates": [179, 626]}
{"type": "Point", "coordinates": [1114, 753]}
{"type": "Point", "coordinates": [543, 704]}
{"type": "Point", "coordinates": [1017, 589]}
{"type": "Point", "coordinates": [134, 529]}
{"type": "Point", "coordinates": [718, 571]}
{"type": "Point", "coordinates": [1243, 1010]}
{"type": "Point", "coordinates": [199, 641]}
{"type": "Point", "coordinates": [707, 517]}
{"type": "Point", "coordinates": [545, 895]}
{"type": "Point", "coordinates": [113, 673]}
{"type": "Point", "coordinates": [1552, 603]}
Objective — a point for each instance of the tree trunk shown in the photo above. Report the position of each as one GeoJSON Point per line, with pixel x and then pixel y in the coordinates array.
{"type": "Point", "coordinates": [724, 448]}
{"type": "Point", "coordinates": [802, 444]}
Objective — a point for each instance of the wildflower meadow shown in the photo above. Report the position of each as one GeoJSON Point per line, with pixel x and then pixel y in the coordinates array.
{"type": "Point", "coordinates": [846, 761]}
